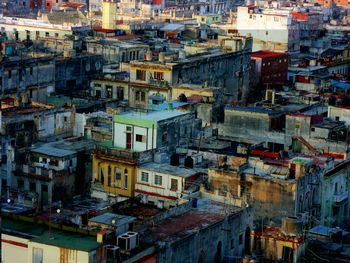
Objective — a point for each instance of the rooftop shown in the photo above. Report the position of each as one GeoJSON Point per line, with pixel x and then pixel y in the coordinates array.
{"type": "Point", "coordinates": [71, 241]}
{"type": "Point", "coordinates": [52, 151]}
{"type": "Point", "coordinates": [153, 116]}
{"type": "Point", "coordinates": [208, 212]}
{"type": "Point", "coordinates": [39, 233]}
{"type": "Point", "coordinates": [107, 218]}
{"type": "Point", "coordinates": [266, 54]}
{"type": "Point", "coordinates": [169, 169]}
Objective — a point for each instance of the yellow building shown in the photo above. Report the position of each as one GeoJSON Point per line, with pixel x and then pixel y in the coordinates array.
{"type": "Point", "coordinates": [109, 9]}
{"type": "Point", "coordinates": [113, 173]}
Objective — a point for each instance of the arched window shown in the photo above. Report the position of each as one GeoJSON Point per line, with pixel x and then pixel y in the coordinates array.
{"type": "Point", "coordinates": [117, 173]}
{"type": "Point", "coordinates": [109, 175]}
{"type": "Point", "coordinates": [336, 188]}
{"type": "Point", "coordinates": [126, 178]}
{"type": "Point", "coordinates": [102, 176]}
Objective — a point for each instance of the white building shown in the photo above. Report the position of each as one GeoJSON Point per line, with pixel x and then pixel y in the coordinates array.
{"type": "Point", "coordinates": [33, 29]}
{"type": "Point", "coordinates": [153, 130]}
{"type": "Point", "coordinates": [165, 185]}
{"type": "Point", "coordinates": [271, 29]}
{"type": "Point", "coordinates": [339, 113]}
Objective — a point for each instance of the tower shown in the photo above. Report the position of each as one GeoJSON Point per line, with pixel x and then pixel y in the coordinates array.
{"type": "Point", "coordinates": [109, 9]}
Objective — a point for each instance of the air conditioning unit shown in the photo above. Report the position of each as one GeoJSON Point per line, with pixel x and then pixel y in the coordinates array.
{"type": "Point", "coordinates": [128, 241]}
{"type": "Point", "coordinates": [112, 254]}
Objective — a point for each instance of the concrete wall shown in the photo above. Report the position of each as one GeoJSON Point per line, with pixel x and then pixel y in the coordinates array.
{"type": "Point", "coordinates": [341, 114]}
{"type": "Point", "coordinates": [203, 244]}
{"type": "Point", "coordinates": [55, 254]}
{"type": "Point", "coordinates": [13, 249]}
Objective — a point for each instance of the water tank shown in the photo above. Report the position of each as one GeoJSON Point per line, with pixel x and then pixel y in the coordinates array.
{"type": "Point", "coordinates": [112, 254]}
{"type": "Point", "coordinates": [189, 162]}
{"type": "Point", "coordinates": [292, 226]}
{"type": "Point", "coordinates": [175, 160]}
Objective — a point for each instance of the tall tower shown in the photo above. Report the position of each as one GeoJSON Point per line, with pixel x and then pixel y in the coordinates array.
{"type": "Point", "coordinates": [109, 9]}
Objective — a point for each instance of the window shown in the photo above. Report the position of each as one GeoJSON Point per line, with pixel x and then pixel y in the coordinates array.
{"type": "Point", "coordinates": [137, 95]}
{"type": "Point", "coordinates": [126, 178]}
{"type": "Point", "coordinates": [117, 173]}
{"type": "Point", "coordinates": [31, 70]}
{"type": "Point", "coordinates": [56, 34]}
{"type": "Point", "coordinates": [158, 75]}
{"type": "Point", "coordinates": [37, 255]}
{"type": "Point", "coordinates": [20, 184]}
{"type": "Point", "coordinates": [144, 177]}
{"type": "Point", "coordinates": [140, 74]}
{"type": "Point", "coordinates": [32, 187]}
{"type": "Point", "coordinates": [240, 239]}
{"type": "Point", "coordinates": [102, 176]}
{"type": "Point", "coordinates": [158, 179]}
{"type": "Point", "coordinates": [109, 176]}
{"type": "Point", "coordinates": [143, 96]}
{"type": "Point", "coordinates": [174, 184]}
{"type": "Point", "coordinates": [10, 73]}
{"type": "Point", "coordinates": [47, 34]}
{"type": "Point", "coordinates": [232, 243]}
{"type": "Point", "coordinates": [140, 138]}
{"type": "Point", "coordinates": [223, 190]}
{"type": "Point", "coordinates": [165, 137]}
{"type": "Point", "coordinates": [337, 118]}
{"type": "Point", "coordinates": [109, 91]}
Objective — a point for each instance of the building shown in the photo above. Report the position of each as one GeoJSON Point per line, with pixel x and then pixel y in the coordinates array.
{"type": "Point", "coordinates": [222, 232]}
{"type": "Point", "coordinates": [335, 194]}
{"type": "Point", "coordinates": [34, 79]}
{"type": "Point", "coordinates": [116, 51]}
{"type": "Point", "coordinates": [228, 66]}
{"type": "Point", "coordinates": [165, 130]}
{"type": "Point", "coordinates": [274, 189]}
{"type": "Point", "coordinates": [17, 29]}
{"type": "Point", "coordinates": [49, 176]}
{"type": "Point", "coordinates": [272, 29]}
{"type": "Point", "coordinates": [270, 68]}
{"type": "Point", "coordinates": [30, 242]}
{"type": "Point", "coordinates": [136, 136]}
{"type": "Point", "coordinates": [166, 185]}
{"type": "Point", "coordinates": [109, 10]}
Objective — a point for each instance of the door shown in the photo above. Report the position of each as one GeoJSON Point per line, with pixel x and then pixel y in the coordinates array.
{"type": "Point", "coordinates": [128, 140]}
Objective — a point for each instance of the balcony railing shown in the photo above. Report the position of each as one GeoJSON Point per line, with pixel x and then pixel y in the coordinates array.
{"type": "Point", "coordinates": [124, 153]}
{"type": "Point", "coordinates": [28, 170]}
{"type": "Point", "coordinates": [338, 198]}
{"type": "Point", "coordinates": [161, 83]}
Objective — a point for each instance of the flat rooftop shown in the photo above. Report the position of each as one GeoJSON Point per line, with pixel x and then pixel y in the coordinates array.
{"type": "Point", "coordinates": [108, 217]}
{"type": "Point", "coordinates": [52, 151]}
{"type": "Point", "coordinates": [40, 234]}
{"type": "Point", "coordinates": [208, 212]}
{"type": "Point", "coordinates": [169, 169]}
{"type": "Point", "coordinates": [71, 241]}
{"type": "Point", "coordinates": [153, 116]}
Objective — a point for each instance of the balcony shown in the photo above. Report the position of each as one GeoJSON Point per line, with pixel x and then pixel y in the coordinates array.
{"type": "Point", "coordinates": [160, 83]}
{"type": "Point", "coordinates": [40, 172]}
{"type": "Point", "coordinates": [340, 197]}
{"type": "Point", "coordinates": [126, 154]}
